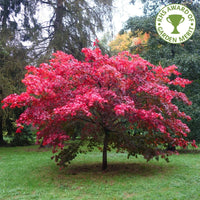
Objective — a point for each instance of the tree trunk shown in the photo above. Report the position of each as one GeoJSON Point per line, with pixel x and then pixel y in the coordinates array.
{"type": "Point", "coordinates": [58, 27]}
{"type": "Point", "coordinates": [105, 146]}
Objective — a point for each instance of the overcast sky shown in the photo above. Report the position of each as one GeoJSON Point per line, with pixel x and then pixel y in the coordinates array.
{"type": "Point", "coordinates": [122, 11]}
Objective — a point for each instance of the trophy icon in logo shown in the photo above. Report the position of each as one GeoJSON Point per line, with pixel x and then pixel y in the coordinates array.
{"type": "Point", "coordinates": [175, 20]}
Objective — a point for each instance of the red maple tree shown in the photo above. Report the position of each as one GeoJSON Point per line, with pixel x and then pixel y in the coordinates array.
{"type": "Point", "coordinates": [123, 102]}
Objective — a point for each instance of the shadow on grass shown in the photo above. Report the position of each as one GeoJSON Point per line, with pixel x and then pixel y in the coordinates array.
{"type": "Point", "coordinates": [38, 149]}
{"type": "Point", "coordinates": [189, 151]}
{"type": "Point", "coordinates": [117, 169]}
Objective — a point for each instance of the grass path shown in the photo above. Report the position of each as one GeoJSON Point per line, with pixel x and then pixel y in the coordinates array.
{"type": "Point", "coordinates": [28, 173]}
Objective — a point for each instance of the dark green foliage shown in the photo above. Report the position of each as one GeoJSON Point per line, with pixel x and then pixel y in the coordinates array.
{"type": "Point", "coordinates": [68, 154]}
{"type": "Point", "coordinates": [24, 138]}
{"type": "Point", "coordinates": [12, 59]}
{"type": "Point", "coordinates": [194, 110]}
{"type": "Point", "coordinates": [11, 72]}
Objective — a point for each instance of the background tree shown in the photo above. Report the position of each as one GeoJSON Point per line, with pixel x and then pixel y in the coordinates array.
{"type": "Point", "coordinates": [14, 20]}
{"type": "Point", "coordinates": [72, 25]}
{"type": "Point", "coordinates": [11, 72]}
{"type": "Point", "coordinates": [122, 42]}
{"type": "Point", "coordinates": [126, 41]}
{"type": "Point", "coordinates": [122, 102]}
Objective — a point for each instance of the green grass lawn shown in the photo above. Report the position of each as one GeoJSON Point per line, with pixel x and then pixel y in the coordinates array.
{"type": "Point", "coordinates": [29, 173]}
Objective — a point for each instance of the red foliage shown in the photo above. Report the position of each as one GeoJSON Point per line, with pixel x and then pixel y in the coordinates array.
{"type": "Point", "coordinates": [103, 92]}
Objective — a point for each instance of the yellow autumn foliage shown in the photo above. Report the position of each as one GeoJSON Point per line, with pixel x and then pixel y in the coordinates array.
{"type": "Point", "coordinates": [126, 42]}
{"type": "Point", "coordinates": [121, 43]}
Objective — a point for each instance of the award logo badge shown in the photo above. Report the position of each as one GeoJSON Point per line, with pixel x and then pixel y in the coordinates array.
{"type": "Point", "coordinates": [175, 23]}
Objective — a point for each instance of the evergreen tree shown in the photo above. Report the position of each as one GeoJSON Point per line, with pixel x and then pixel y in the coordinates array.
{"type": "Point", "coordinates": [72, 25]}
{"type": "Point", "coordinates": [12, 64]}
